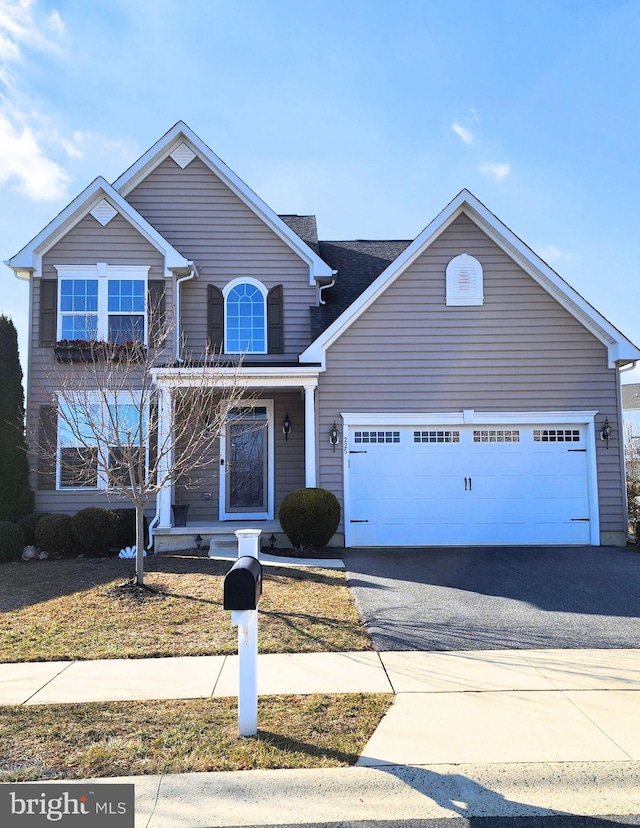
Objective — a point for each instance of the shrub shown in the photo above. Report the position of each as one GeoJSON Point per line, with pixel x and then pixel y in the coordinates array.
{"type": "Point", "coordinates": [56, 534]}
{"type": "Point", "coordinates": [11, 541]}
{"type": "Point", "coordinates": [126, 522]}
{"type": "Point", "coordinates": [16, 497]}
{"type": "Point", "coordinates": [96, 530]}
{"type": "Point", "coordinates": [309, 517]}
{"type": "Point", "coordinates": [28, 523]}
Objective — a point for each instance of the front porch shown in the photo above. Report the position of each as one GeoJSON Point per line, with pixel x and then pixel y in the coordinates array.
{"type": "Point", "coordinates": [264, 451]}
{"type": "Point", "coordinates": [216, 535]}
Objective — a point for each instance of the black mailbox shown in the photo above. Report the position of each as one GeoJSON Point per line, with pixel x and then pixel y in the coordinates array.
{"type": "Point", "coordinates": [243, 584]}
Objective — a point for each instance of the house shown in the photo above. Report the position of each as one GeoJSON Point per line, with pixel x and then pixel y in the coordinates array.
{"type": "Point", "coordinates": [450, 390]}
{"type": "Point", "coordinates": [631, 410]}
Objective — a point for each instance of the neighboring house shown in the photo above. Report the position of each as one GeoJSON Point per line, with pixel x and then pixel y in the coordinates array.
{"type": "Point", "coordinates": [631, 410]}
{"type": "Point", "coordinates": [449, 390]}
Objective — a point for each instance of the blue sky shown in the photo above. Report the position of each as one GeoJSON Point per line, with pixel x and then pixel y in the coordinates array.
{"type": "Point", "coordinates": [372, 115]}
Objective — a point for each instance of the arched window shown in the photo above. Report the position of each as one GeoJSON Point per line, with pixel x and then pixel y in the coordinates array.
{"type": "Point", "coordinates": [245, 317]}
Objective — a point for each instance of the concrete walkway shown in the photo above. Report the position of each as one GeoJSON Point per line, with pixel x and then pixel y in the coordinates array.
{"type": "Point", "coordinates": [450, 708]}
{"type": "Point", "coordinates": [489, 733]}
{"type": "Point", "coordinates": [470, 733]}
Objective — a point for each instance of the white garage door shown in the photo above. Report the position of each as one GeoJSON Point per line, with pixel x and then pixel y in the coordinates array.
{"type": "Point", "coordinates": [413, 486]}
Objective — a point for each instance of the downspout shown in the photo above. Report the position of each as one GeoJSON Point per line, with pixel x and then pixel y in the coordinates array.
{"type": "Point", "coordinates": [192, 275]}
{"type": "Point", "coordinates": [324, 287]}
{"type": "Point", "coordinates": [154, 522]}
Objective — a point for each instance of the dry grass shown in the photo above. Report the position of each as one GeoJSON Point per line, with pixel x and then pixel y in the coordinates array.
{"type": "Point", "coordinates": [77, 741]}
{"type": "Point", "coordinates": [58, 610]}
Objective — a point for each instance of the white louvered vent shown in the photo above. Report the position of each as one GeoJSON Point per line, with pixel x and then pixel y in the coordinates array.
{"type": "Point", "coordinates": [183, 156]}
{"type": "Point", "coordinates": [103, 212]}
{"type": "Point", "coordinates": [464, 281]}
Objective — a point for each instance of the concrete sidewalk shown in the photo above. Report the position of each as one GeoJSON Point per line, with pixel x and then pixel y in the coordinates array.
{"type": "Point", "coordinates": [450, 708]}
{"type": "Point", "coordinates": [493, 733]}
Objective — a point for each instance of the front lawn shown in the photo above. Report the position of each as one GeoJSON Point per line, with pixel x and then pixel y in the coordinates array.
{"type": "Point", "coordinates": [75, 741]}
{"type": "Point", "coordinates": [75, 609]}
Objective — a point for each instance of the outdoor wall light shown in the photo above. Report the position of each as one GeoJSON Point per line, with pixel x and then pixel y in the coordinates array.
{"type": "Point", "coordinates": [272, 541]}
{"type": "Point", "coordinates": [286, 426]}
{"type": "Point", "coordinates": [605, 432]}
{"type": "Point", "coordinates": [198, 540]}
{"type": "Point", "coordinates": [334, 435]}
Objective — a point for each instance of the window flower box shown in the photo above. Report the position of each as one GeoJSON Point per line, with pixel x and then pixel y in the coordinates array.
{"type": "Point", "coordinates": [82, 350]}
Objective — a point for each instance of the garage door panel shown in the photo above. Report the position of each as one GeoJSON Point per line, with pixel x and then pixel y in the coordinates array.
{"type": "Point", "coordinates": [429, 486]}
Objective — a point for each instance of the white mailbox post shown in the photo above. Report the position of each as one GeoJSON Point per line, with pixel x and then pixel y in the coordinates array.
{"type": "Point", "coordinates": [247, 623]}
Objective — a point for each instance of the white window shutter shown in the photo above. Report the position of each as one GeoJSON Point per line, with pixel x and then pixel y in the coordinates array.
{"type": "Point", "coordinates": [464, 281]}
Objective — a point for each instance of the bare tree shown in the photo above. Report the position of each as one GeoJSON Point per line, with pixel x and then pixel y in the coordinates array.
{"type": "Point", "coordinates": [632, 463]}
{"type": "Point", "coordinates": [109, 411]}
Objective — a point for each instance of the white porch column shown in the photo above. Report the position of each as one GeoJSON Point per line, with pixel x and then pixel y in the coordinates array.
{"type": "Point", "coordinates": [165, 495]}
{"type": "Point", "coordinates": [310, 436]}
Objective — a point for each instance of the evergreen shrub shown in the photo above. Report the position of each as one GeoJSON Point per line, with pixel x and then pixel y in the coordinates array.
{"type": "Point", "coordinates": [309, 517]}
{"type": "Point", "coordinates": [28, 523]}
{"type": "Point", "coordinates": [16, 496]}
{"type": "Point", "coordinates": [126, 523]}
{"type": "Point", "coordinates": [56, 535]}
{"type": "Point", "coordinates": [11, 541]}
{"type": "Point", "coordinates": [96, 530]}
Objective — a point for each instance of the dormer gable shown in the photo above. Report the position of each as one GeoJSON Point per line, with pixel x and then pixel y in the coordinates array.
{"type": "Point", "coordinates": [101, 201]}
{"type": "Point", "coordinates": [181, 144]}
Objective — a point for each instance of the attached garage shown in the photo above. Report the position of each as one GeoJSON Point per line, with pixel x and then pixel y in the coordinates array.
{"type": "Point", "coordinates": [480, 480]}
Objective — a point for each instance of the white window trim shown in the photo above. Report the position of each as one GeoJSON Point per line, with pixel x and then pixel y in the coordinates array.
{"type": "Point", "coordinates": [225, 293]}
{"type": "Point", "coordinates": [222, 504]}
{"type": "Point", "coordinates": [121, 398]}
{"type": "Point", "coordinates": [103, 273]}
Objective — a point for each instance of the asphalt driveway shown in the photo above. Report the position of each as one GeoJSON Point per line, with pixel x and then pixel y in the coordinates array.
{"type": "Point", "coordinates": [497, 598]}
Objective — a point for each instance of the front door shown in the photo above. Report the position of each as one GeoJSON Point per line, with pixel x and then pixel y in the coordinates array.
{"type": "Point", "coordinates": [246, 469]}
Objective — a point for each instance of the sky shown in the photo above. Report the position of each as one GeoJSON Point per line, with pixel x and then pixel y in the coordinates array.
{"type": "Point", "coordinates": [370, 114]}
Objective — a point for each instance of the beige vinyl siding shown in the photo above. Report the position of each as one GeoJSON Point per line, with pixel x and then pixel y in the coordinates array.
{"type": "Point", "coordinates": [519, 351]}
{"type": "Point", "coordinates": [86, 243]}
{"type": "Point", "coordinates": [289, 463]}
{"type": "Point", "coordinates": [196, 212]}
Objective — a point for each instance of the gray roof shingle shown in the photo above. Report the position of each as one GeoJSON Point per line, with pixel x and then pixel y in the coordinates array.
{"type": "Point", "coordinates": [358, 263]}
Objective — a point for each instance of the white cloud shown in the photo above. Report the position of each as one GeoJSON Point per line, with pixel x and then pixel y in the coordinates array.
{"type": "Point", "coordinates": [498, 171]}
{"type": "Point", "coordinates": [23, 24]}
{"type": "Point", "coordinates": [552, 253]}
{"type": "Point", "coordinates": [462, 132]}
{"type": "Point", "coordinates": [24, 163]}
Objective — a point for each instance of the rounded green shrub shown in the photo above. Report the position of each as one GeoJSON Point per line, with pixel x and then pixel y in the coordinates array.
{"type": "Point", "coordinates": [126, 522]}
{"type": "Point", "coordinates": [309, 517]}
{"type": "Point", "coordinates": [96, 529]}
{"type": "Point", "coordinates": [11, 541]}
{"type": "Point", "coordinates": [28, 523]}
{"type": "Point", "coordinates": [56, 535]}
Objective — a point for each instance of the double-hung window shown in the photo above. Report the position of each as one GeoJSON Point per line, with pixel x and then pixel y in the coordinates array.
{"type": "Point", "coordinates": [101, 445]}
{"type": "Point", "coordinates": [102, 302]}
{"type": "Point", "coordinates": [245, 303]}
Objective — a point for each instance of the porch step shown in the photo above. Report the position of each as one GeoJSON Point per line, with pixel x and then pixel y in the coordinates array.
{"type": "Point", "coordinates": [223, 543]}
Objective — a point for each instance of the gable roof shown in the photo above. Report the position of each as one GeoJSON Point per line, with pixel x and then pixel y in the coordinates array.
{"type": "Point", "coordinates": [181, 133]}
{"type": "Point", "coordinates": [29, 259]}
{"type": "Point", "coordinates": [620, 349]}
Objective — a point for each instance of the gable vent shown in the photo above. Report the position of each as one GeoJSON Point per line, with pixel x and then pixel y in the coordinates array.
{"type": "Point", "coordinates": [464, 281]}
{"type": "Point", "coordinates": [183, 156]}
{"type": "Point", "coordinates": [103, 212]}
